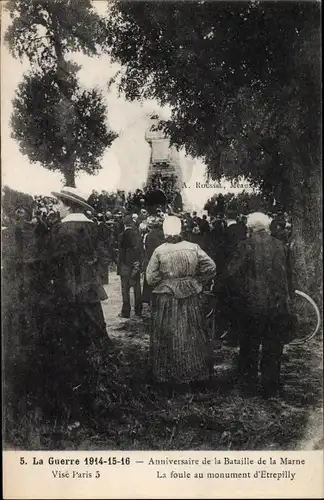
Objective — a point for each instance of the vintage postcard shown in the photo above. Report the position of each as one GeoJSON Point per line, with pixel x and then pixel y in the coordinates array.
{"type": "Point", "coordinates": [161, 262]}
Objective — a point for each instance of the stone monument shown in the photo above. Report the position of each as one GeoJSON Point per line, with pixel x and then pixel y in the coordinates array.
{"type": "Point", "coordinates": [164, 158]}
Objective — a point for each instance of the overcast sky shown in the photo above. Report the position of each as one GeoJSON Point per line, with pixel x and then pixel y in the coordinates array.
{"type": "Point", "coordinates": [125, 163]}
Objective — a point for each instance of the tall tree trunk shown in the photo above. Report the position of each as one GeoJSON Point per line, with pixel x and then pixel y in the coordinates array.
{"type": "Point", "coordinates": [69, 175]}
{"type": "Point", "coordinates": [63, 75]}
{"type": "Point", "coordinates": [306, 223]}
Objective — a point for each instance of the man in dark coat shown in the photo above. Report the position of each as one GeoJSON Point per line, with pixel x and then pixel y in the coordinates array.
{"type": "Point", "coordinates": [93, 200]}
{"type": "Point", "coordinates": [216, 242]}
{"type": "Point", "coordinates": [204, 225]}
{"type": "Point", "coordinates": [103, 202]}
{"type": "Point", "coordinates": [233, 235]}
{"type": "Point", "coordinates": [130, 257]}
{"type": "Point", "coordinates": [24, 284]}
{"type": "Point", "coordinates": [204, 229]}
{"type": "Point", "coordinates": [259, 285]}
{"type": "Point", "coordinates": [188, 225]}
{"type": "Point", "coordinates": [153, 239]}
{"type": "Point", "coordinates": [177, 201]}
{"type": "Point", "coordinates": [104, 248]}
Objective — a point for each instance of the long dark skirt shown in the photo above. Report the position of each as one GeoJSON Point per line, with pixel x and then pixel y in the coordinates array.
{"type": "Point", "coordinates": [73, 348]}
{"type": "Point", "coordinates": [179, 342]}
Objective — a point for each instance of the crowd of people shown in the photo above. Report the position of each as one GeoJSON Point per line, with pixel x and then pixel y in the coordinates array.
{"type": "Point", "coordinates": [55, 275]}
{"type": "Point", "coordinates": [243, 202]}
{"type": "Point", "coordinates": [159, 190]}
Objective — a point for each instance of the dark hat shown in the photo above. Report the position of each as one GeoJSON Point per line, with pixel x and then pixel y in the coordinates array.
{"type": "Point", "coordinates": [128, 220]}
{"type": "Point", "coordinates": [231, 214]}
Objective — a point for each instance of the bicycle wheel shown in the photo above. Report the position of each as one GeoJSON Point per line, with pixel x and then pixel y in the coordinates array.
{"type": "Point", "coordinates": [217, 324]}
{"type": "Point", "coordinates": [306, 316]}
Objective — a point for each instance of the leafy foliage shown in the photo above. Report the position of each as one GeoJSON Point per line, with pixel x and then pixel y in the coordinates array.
{"type": "Point", "coordinates": [242, 80]}
{"type": "Point", "coordinates": [12, 199]}
{"type": "Point", "coordinates": [38, 24]}
{"type": "Point", "coordinates": [241, 203]}
{"type": "Point", "coordinates": [61, 132]}
{"type": "Point", "coordinates": [56, 122]}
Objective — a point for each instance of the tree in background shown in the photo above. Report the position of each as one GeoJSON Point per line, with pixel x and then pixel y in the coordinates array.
{"type": "Point", "coordinates": [55, 121]}
{"type": "Point", "coordinates": [67, 134]}
{"type": "Point", "coordinates": [242, 203]}
{"type": "Point", "coordinates": [243, 83]}
{"type": "Point", "coordinates": [242, 80]}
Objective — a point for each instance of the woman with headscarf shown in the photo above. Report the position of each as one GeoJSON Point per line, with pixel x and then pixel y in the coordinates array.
{"type": "Point", "coordinates": [179, 344]}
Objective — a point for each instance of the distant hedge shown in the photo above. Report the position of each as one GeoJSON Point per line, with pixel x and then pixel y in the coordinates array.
{"type": "Point", "coordinates": [12, 199]}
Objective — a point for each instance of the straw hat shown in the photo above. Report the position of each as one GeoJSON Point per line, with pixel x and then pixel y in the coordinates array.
{"type": "Point", "coordinates": [74, 195]}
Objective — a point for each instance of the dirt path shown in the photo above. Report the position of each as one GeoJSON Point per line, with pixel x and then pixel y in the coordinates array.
{"type": "Point", "coordinates": [133, 329]}
{"type": "Point", "coordinates": [133, 332]}
{"type": "Point", "coordinates": [130, 414]}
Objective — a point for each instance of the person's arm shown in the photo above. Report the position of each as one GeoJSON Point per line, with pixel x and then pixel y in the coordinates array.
{"type": "Point", "coordinates": [153, 275]}
{"type": "Point", "coordinates": [238, 260]}
{"type": "Point", "coordinates": [137, 248]}
{"type": "Point", "coordinates": [206, 266]}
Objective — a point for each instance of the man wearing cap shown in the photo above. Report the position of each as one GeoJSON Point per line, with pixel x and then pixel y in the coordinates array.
{"type": "Point", "coordinates": [93, 200]}
{"type": "Point", "coordinates": [130, 257]}
{"type": "Point", "coordinates": [75, 323]}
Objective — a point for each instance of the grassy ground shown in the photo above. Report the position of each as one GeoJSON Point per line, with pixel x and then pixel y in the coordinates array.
{"type": "Point", "coordinates": [129, 414]}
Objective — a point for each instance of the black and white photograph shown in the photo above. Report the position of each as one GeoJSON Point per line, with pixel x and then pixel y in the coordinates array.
{"type": "Point", "coordinates": [161, 223]}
